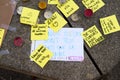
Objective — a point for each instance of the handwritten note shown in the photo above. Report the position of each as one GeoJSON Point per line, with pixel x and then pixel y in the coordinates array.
{"type": "Point", "coordinates": [2, 31]}
{"type": "Point", "coordinates": [52, 1]}
{"type": "Point", "coordinates": [41, 55]}
{"type": "Point", "coordinates": [109, 24]}
{"type": "Point", "coordinates": [64, 44]}
{"type": "Point", "coordinates": [92, 36]}
{"type": "Point", "coordinates": [93, 4]}
{"type": "Point", "coordinates": [68, 8]}
{"type": "Point", "coordinates": [29, 16]}
{"type": "Point", "coordinates": [39, 32]}
{"type": "Point", "coordinates": [56, 22]}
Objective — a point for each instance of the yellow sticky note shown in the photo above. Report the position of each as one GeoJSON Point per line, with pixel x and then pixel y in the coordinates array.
{"type": "Point", "coordinates": [92, 36]}
{"type": "Point", "coordinates": [56, 22]}
{"type": "Point", "coordinates": [29, 16]}
{"type": "Point", "coordinates": [109, 24]}
{"type": "Point", "coordinates": [52, 1]}
{"type": "Point", "coordinates": [41, 55]}
{"type": "Point", "coordinates": [68, 8]}
{"type": "Point", "coordinates": [39, 32]}
{"type": "Point", "coordinates": [2, 31]}
{"type": "Point", "coordinates": [93, 4]}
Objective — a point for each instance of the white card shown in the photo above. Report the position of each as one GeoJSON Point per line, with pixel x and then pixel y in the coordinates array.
{"type": "Point", "coordinates": [66, 45]}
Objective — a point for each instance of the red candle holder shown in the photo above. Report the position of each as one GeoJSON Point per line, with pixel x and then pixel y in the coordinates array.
{"type": "Point", "coordinates": [88, 13]}
{"type": "Point", "coordinates": [18, 41]}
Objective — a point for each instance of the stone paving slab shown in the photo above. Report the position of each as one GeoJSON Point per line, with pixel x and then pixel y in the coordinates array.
{"type": "Point", "coordinates": [18, 58]}
{"type": "Point", "coordinates": [106, 54]}
{"type": "Point", "coordinates": [71, 70]}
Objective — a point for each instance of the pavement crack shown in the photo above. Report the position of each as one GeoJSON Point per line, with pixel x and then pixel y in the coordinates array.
{"type": "Point", "coordinates": [86, 50]}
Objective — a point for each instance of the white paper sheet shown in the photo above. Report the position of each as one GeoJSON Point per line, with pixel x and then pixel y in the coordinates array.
{"type": "Point", "coordinates": [66, 45]}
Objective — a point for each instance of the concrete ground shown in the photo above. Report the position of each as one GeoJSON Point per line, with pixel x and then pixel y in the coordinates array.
{"type": "Point", "coordinates": [10, 75]}
{"type": "Point", "coordinates": [102, 62]}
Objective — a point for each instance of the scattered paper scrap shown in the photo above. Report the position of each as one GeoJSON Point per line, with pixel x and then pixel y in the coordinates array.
{"type": "Point", "coordinates": [41, 55]}
{"type": "Point", "coordinates": [56, 22]}
{"type": "Point", "coordinates": [2, 31]}
{"type": "Point", "coordinates": [109, 24]}
{"type": "Point", "coordinates": [39, 32]}
{"type": "Point", "coordinates": [29, 16]}
{"type": "Point", "coordinates": [92, 36]}
{"type": "Point", "coordinates": [93, 4]}
{"type": "Point", "coordinates": [52, 1]}
{"type": "Point", "coordinates": [68, 8]}
{"type": "Point", "coordinates": [66, 45]}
